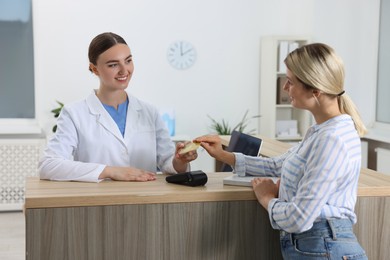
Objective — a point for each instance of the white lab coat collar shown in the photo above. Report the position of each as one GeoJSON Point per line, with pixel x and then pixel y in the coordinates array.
{"type": "Point", "coordinates": [103, 117]}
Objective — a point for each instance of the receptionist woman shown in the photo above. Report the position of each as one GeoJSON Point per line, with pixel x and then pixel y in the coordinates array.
{"type": "Point", "coordinates": [313, 203]}
{"type": "Point", "coordinates": [111, 134]}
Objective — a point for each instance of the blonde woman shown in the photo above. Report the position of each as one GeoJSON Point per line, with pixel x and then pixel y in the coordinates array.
{"type": "Point", "coordinates": [313, 202]}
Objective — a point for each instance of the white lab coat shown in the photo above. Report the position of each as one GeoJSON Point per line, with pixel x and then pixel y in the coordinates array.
{"type": "Point", "coordinates": [88, 139]}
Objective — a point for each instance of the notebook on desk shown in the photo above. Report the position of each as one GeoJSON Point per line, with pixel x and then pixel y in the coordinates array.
{"type": "Point", "coordinates": [243, 181]}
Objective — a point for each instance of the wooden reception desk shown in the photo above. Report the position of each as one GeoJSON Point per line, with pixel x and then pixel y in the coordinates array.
{"type": "Point", "coordinates": [158, 220]}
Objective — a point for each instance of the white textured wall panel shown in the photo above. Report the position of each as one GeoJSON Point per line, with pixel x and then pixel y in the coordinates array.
{"type": "Point", "coordinates": [18, 159]}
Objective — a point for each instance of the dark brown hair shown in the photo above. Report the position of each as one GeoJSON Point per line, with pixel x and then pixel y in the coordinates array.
{"type": "Point", "coordinates": [101, 43]}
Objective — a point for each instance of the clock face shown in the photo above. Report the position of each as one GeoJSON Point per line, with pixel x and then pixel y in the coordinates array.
{"type": "Point", "coordinates": [181, 55]}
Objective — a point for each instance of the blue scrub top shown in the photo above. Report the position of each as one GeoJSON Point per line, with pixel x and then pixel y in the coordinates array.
{"type": "Point", "coordinates": [119, 115]}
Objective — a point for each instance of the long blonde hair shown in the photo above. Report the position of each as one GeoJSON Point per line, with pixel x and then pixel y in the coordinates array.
{"type": "Point", "coordinates": [317, 66]}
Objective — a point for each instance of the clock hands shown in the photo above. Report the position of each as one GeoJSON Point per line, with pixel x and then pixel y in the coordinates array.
{"type": "Point", "coordinates": [187, 51]}
{"type": "Point", "coordinates": [182, 53]}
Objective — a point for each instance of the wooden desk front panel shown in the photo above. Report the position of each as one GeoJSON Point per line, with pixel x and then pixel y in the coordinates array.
{"type": "Point", "coordinates": [373, 226]}
{"type": "Point", "coordinates": [200, 230]}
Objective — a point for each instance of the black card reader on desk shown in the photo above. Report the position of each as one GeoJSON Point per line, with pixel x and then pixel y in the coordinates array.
{"type": "Point", "coordinates": [193, 178]}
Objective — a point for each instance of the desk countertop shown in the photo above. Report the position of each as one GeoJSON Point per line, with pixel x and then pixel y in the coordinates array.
{"type": "Point", "coordinates": [42, 193]}
{"type": "Point", "coordinates": [47, 194]}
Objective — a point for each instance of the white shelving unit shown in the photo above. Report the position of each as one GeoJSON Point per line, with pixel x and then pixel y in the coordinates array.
{"type": "Point", "coordinates": [274, 104]}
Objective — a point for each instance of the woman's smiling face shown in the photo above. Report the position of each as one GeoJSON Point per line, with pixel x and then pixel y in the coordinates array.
{"type": "Point", "coordinates": [114, 67]}
{"type": "Point", "coordinates": [298, 93]}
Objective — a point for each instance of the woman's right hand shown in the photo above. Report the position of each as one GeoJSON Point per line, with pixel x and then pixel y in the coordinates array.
{"type": "Point", "coordinates": [127, 174]}
{"type": "Point", "coordinates": [213, 145]}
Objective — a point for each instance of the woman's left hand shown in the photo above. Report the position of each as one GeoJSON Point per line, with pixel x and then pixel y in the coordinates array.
{"type": "Point", "coordinates": [186, 157]}
{"type": "Point", "coordinates": [265, 190]}
{"type": "Point", "coordinates": [180, 161]}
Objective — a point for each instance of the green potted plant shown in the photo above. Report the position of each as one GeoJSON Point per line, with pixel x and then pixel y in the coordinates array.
{"type": "Point", "coordinates": [56, 113]}
{"type": "Point", "coordinates": [223, 127]}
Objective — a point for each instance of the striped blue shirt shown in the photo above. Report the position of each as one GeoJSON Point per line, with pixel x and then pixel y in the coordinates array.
{"type": "Point", "coordinates": [319, 176]}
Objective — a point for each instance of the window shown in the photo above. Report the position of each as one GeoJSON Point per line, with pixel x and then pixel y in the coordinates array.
{"type": "Point", "coordinates": [16, 60]}
{"type": "Point", "coordinates": [383, 87]}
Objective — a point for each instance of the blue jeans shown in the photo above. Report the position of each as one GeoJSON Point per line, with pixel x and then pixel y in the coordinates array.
{"type": "Point", "coordinates": [327, 239]}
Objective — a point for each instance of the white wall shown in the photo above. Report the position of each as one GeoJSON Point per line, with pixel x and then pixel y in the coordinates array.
{"type": "Point", "coordinates": [224, 81]}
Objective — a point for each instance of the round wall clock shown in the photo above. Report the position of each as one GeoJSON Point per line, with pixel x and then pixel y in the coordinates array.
{"type": "Point", "coordinates": [181, 55]}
